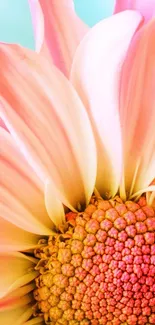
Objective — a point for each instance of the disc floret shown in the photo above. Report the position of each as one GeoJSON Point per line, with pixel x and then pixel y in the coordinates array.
{"type": "Point", "coordinates": [100, 269]}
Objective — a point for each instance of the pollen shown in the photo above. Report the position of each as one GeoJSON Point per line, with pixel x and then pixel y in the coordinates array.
{"type": "Point", "coordinates": [100, 268]}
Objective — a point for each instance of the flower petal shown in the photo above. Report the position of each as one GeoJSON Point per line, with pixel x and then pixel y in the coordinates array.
{"type": "Point", "coordinates": [2, 125]}
{"type": "Point", "coordinates": [15, 316]}
{"type": "Point", "coordinates": [34, 321]}
{"type": "Point", "coordinates": [49, 123]}
{"type": "Point", "coordinates": [137, 110]}
{"type": "Point", "coordinates": [38, 26]}
{"type": "Point", "coordinates": [25, 316]}
{"type": "Point", "coordinates": [53, 205]}
{"type": "Point", "coordinates": [95, 75]}
{"type": "Point", "coordinates": [38, 23]}
{"type": "Point", "coordinates": [25, 208]}
{"type": "Point", "coordinates": [18, 297]}
{"type": "Point", "coordinates": [145, 7]}
{"type": "Point", "coordinates": [9, 302]}
{"type": "Point", "coordinates": [16, 270]}
{"type": "Point", "coordinates": [63, 29]}
{"type": "Point", "coordinates": [13, 238]}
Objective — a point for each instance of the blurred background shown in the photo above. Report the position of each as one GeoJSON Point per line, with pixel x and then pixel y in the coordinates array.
{"type": "Point", "coordinates": [15, 20]}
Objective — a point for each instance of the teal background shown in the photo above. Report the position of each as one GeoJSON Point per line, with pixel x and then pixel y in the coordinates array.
{"type": "Point", "coordinates": [15, 20]}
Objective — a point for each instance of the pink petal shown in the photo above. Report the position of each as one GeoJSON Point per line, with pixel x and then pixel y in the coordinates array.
{"type": "Point", "coordinates": [38, 26]}
{"type": "Point", "coordinates": [62, 27]}
{"type": "Point", "coordinates": [2, 124]}
{"type": "Point", "coordinates": [137, 110]}
{"type": "Point", "coordinates": [49, 123]}
{"type": "Point", "coordinates": [145, 7]}
{"type": "Point", "coordinates": [95, 75]}
{"type": "Point", "coordinates": [25, 208]}
{"type": "Point", "coordinates": [38, 23]}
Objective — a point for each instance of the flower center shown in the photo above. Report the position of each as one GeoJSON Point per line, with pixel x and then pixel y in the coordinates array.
{"type": "Point", "coordinates": [99, 269]}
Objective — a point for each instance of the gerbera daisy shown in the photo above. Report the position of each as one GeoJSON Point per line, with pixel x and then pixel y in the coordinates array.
{"type": "Point", "coordinates": [77, 226]}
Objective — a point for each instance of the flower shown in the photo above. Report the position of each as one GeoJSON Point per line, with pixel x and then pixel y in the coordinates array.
{"type": "Point", "coordinates": [75, 246]}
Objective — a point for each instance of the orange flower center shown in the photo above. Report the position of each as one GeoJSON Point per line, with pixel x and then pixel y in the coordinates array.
{"type": "Point", "coordinates": [99, 269]}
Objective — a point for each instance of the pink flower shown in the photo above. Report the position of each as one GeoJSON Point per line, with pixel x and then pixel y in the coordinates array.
{"type": "Point", "coordinates": [68, 139]}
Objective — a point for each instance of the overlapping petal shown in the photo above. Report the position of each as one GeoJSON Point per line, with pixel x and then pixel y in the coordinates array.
{"type": "Point", "coordinates": [95, 75]}
{"type": "Point", "coordinates": [13, 238]}
{"type": "Point", "coordinates": [21, 191]}
{"type": "Point", "coordinates": [35, 321]}
{"type": "Point", "coordinates": [2, 124]}
{"type": "Point", "coordinates": [53, 205]}
{"type": "Point", "coordinates": [49, 123]}
{"type": "Point", "coordinates": [17, 298]}
{"type": "Point", "coordinates": [38, 24]}
{"type": "Point", "coordinates": [62, 29]}
{"type": "Point", "coordinates": [16, 270]}
{"type": "Point", "coordinates": [18, 316]}
{"type": "Point", "coordinates": [18, 309]}
{"type": "Point", "coordinates": [145, 7]}
{"type": "Point", "coordinates": [137, 110]}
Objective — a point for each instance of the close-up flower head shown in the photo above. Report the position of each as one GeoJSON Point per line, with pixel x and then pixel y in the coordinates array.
{"type": "Point", "coordinates": [77, 161]}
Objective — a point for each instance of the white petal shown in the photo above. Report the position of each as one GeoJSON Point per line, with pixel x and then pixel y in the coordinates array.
{"type": "Point", "coordinates": [53, 205]}
{"type": "Point", "coordinates": [95, 75]}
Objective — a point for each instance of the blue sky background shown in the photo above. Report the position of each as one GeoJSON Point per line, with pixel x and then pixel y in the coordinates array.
{"type": "Point", "coordinates": [15, 20]}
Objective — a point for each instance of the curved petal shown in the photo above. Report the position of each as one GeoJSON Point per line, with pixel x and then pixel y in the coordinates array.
{"type": "Point", "coordinates": [137, 110]}
{"type": "Point", "coordinates": [16, 270]}
{"type": "Point", "coordinates": [16, 316]}
{"type": "Point", "coordinates": [145, 7]}
{"type": "Point", "coordinates": [48, 121]}
{"type": "Point", "coordinates": [17, 298]}
{"type": "Point", "coordinates": [13, 211]}
{"type": "Point", "coordinates": [150, 197]}
{"type": "Point", "coordinates": [95, 75]}
{"type": "Point", "coordinates": [38, 26]}
{"type": "Point", "coordinates": [8, 303]}
{"type": "Point", "coordinates": [25, 208]}
{"type": "Point", "coordinates": [38, 23]}
{"type": "Point", "coordinates": [53, 205]}
{"type": "Point", "coordinates": [151, 200]}
{"type": "Point", "coordinates": [35, 321]}
{"type": "Point", "coordinates": [13, 238]}
{"type": "Point", "coordinates": [63, 29]}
